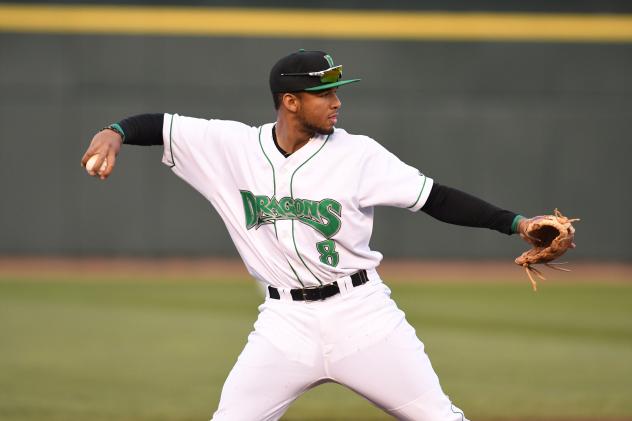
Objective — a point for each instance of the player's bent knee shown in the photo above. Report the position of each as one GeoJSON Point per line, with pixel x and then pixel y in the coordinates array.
{"type": "Point", "coordinates": [429, 408]}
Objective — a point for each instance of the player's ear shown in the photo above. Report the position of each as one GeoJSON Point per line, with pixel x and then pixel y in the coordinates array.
{"type": "Point", "coordinates": [291, 102]}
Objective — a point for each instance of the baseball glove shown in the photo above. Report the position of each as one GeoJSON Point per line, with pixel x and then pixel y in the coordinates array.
{"type": "Point", "coordinates": [550, 236]}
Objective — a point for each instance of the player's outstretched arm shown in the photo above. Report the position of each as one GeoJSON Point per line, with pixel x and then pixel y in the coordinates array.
{"type": "Point", "coordinates": [453, 206]}
{"type": "Point", "coordinates": [459, 208]}
{"type": "Point", "coordinates": [550, 235]}
{"type": "Point", "coordinates": [100, 157]}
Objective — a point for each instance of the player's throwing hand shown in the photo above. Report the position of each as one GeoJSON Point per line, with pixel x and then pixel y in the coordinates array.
{"type": "Point", "coordinates": [105, 146]}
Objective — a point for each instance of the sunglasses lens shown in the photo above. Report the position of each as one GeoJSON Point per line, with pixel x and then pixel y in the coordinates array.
{"type": "Point", "coordinates": [332, 75]}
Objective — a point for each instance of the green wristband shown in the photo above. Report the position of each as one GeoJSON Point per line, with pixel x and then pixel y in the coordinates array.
{"type": "Point", "coordinates": [116, 128]}
{"type": "Point", "coordinates": [516, 221]}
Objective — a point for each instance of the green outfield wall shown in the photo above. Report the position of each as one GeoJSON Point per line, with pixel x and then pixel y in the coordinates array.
{"type": "Point", "coordinates": [529, 125]}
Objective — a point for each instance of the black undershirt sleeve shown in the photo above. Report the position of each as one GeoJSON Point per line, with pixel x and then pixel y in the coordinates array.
{"type": "Point", "coordinates": [459, 208]}
{"type": "Point", "coordinates": [143, 129]}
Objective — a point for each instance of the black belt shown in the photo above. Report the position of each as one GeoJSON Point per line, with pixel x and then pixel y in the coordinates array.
{"type": "Point", "coordinates": [321, 292]}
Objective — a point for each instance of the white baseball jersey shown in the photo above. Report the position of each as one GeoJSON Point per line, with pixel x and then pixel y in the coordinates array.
{"type": "Point", "coordinates": [299, 221]}
{"type": "Point", "coordinates": [303, 221]}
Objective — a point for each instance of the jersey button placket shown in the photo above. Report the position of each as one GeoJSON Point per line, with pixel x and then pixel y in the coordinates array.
{"type": "Point", "coordinates": [284, 227]}
{"type": "Point", "coordinates": [283, 186]}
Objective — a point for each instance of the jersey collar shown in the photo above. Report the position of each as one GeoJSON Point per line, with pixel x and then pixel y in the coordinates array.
{"type": "Point", "coordinates": [293, 160]}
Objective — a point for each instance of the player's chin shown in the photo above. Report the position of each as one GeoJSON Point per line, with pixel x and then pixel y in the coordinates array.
{"type": "Point", "coordinates": [321, 129]}
{"type": "Point", "coordinates": [326, 129]}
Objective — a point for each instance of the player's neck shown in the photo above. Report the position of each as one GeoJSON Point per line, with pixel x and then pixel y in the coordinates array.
{"type": "Point", "coordinates": [291, 136]}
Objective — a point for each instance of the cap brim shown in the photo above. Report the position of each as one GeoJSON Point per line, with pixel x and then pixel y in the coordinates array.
{"type": "Point", "coordinates": [331, 85]}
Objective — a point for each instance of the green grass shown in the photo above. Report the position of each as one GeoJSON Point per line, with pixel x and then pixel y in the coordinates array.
{"type": "Point", "coordinates": [160, 350]}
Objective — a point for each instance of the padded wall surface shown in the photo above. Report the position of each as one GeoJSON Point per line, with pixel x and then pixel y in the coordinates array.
{"type": "Point", "coordinates": [528, 126]}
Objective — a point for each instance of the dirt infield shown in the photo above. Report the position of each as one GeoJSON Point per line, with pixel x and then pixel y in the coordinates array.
{"type": "Point", "coordinates": [214, 268]}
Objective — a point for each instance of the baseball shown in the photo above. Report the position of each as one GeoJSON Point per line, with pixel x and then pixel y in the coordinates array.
{"type": "Point", "coordinates": [92, 161]}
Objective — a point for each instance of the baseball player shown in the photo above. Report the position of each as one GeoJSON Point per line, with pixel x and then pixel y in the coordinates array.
{"type": "Point", "coordinates": [297, 197]}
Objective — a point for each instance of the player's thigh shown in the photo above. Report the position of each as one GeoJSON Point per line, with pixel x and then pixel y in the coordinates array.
{"type": "Point", "coordinates": [396, 374]}
{"type": "Point", "coordinates": [259, 386]}
{"type": "Point", "coordinates": [266, 378]}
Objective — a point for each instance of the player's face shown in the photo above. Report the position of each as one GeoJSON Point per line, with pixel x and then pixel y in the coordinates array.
{"type": "Point", "coordinates": [318, 111]}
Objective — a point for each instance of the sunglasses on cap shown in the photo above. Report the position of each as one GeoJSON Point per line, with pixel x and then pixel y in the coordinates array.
{"type": "Point", "coordinates": [333, 74]}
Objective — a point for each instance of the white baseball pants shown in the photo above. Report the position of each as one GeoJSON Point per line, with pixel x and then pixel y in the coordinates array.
{"type": "Point", "coordinates": [358, 338]}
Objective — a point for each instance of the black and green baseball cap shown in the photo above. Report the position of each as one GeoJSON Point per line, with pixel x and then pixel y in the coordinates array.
{"type": "Point", "coordinates": [306, 71]}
